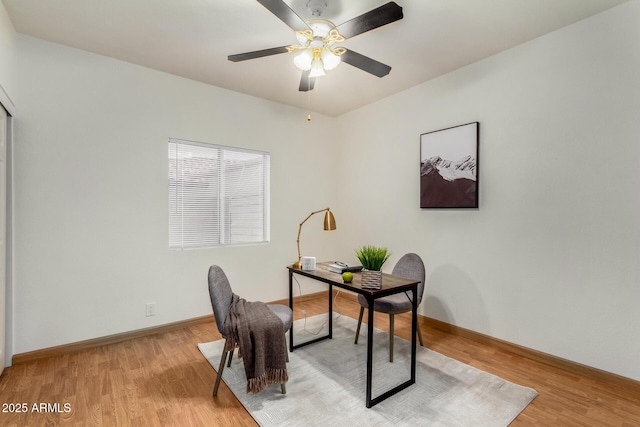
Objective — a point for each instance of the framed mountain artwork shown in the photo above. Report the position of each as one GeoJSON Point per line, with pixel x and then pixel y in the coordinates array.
{"type": "Point", "coordinates": [449, 167]}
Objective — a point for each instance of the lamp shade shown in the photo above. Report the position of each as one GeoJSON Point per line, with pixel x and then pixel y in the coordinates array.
{"type": "Point", "coordinates": [317, 70]}
{"type": "Point", "coordinates": [330, 60]}
{"type": "Point", "coordinates": [303, 60]}
{"type": "Point", "coordinates": [329, 221]}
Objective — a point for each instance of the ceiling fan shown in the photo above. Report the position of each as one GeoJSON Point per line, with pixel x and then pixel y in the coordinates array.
{"type": "Point", "coordinates": [317, 51]}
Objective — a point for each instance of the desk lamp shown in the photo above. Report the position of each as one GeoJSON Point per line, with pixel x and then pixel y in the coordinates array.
{"type": "Point", "coordinates": [329, 224]}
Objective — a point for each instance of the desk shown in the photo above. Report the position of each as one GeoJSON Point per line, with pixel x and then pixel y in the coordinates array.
{"type": "Point", "coordinates": [390, 285]}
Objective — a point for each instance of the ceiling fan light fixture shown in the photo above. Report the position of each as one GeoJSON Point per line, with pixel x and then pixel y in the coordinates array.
{"type": "Point", "coordinates": [304, 60]}
{"type": "Point", "coordinates": [317, 70]}
{"type": "Point", "coordinates": [330, 59]}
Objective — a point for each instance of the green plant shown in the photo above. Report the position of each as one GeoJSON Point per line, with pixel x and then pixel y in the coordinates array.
{"type": "Point", "coordinates": [372, 257]}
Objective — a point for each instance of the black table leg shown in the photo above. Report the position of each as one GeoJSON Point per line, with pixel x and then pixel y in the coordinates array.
{"type": "Point", "coordinates": [370, 311]}
{"type": "Point", "coordinates": [324, 337]}
{"type": "Point", "coordinates": [291, 307]}
{"type": "Point", "coordinates": [414, 332]}
{"type": "Point", "coordinates": [330, 311]}
{"type": "Point", "coordinates": [414, 324]}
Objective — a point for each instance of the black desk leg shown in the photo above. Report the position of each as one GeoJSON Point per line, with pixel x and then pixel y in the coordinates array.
{"type": "Point", "coordinates": [324, 337]}
{"type": "Point", "coordinates": [330, 311]}
{"type": "Point", "coordinates": [291, 307]}
{"type": "Point", "coordinates": [370, 311]}
{"type": "Point", "coordinates": [414, 325]}
{"type": "Point", "coordinates": [414, 331]}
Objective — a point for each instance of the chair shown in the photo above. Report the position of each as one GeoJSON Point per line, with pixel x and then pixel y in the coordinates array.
{"type": "Point", "coordinates": [221, 297]}
{"type": "Point", "coordinates": [411, 267]}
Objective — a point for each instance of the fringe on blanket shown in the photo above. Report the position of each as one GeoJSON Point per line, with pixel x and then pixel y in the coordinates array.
{"type": "Point", "coordinates": [271, 376]}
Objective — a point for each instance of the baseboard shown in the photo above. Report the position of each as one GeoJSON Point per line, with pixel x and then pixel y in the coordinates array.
{"type": "Point", "coordinates": [110, 339]}
{"type": "Point", "coordinates": [113, 339]}
{"type": "Point", "coordinates": [548, 359]}
{"type": "Point", "coordinates": [529, 353]}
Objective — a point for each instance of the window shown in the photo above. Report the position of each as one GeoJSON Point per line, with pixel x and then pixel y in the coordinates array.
{"type": "Point", "coordinates": [217, 195]}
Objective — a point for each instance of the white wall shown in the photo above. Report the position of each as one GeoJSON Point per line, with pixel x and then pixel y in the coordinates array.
{"type": "Point", "coordinates": [550, 260]}
{"type": "Point", "coordinates": [91, 194]}
{"type": "Point", "coordinates": [7, 59]}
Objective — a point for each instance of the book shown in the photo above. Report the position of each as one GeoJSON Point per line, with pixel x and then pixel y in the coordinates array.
{"type": "Point", "coordinates": [341, 267]}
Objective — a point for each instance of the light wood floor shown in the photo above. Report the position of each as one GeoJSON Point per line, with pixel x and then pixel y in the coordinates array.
{"type": "Point", "coordinates": [164, 380]}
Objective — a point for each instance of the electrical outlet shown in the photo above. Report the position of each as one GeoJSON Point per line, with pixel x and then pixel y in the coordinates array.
{"type": "Point", "coordinates": [151, 309]}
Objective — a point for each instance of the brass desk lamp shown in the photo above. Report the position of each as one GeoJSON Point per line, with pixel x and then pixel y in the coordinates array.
{"type": "Point", "coordinates": [329, 224]}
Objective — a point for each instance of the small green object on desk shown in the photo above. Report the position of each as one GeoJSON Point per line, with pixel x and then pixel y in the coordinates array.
{"type": "Point", "coordinates": [347, 277]}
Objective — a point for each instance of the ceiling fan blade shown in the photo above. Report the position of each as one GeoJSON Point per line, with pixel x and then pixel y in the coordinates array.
{"type": "Point", "coordinates": [285, 13]}
{"type": "Point", "coordinates": [306, 83]}
{"type": "Point", "coordinates": [257, 54]}
{"type": "Point", "coordinates": [383, 15]}
{"type": "Point", "coordinates": [365, 63]}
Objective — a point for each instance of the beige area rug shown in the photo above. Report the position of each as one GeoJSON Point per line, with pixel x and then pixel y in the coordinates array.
{"type": "Point", "coordinates": [327, 383]}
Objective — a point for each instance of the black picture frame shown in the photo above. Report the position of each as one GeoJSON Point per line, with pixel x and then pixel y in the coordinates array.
{"type": "Point", "coordinates": [449, 165]}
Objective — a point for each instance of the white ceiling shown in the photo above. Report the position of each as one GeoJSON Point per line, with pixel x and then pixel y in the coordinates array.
{"type": "Point", "coordinates": [192, 38]}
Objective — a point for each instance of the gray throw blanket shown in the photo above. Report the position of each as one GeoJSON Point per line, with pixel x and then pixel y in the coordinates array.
{"type": "Point", "coordinates": [259, 333]}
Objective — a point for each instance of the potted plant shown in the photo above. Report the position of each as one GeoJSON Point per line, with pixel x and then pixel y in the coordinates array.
{"type": "Point", "coordinates": [372, 258]}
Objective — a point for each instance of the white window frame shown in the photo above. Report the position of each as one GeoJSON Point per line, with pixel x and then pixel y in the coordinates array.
{"type": "Point", "coordinates": [218, 195]}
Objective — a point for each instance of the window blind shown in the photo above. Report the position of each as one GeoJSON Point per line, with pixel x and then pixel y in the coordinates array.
{"type": "Point", "coordinates": [217, 195]}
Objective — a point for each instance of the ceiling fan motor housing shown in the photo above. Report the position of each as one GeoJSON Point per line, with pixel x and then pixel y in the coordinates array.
{"type": "Point", "coordinates": [316, 7]}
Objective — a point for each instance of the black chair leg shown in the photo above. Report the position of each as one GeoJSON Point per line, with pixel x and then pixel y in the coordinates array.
{"type": "Point", "coordinates": [223, 359]}
{"type": "Point", "coordinates": [283, 388]}
{"type": "Point", "coordinates": [359, 323]}
{"type": "Point", "coordinates": [231, 357]}
{"type": "Point", "coordinates": [420, 337]}
{"type": "Point", "coordinates": [390, 337]}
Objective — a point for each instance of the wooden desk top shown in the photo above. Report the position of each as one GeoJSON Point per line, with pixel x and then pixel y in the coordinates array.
{"type": "Point", "coordinates": [390, 284]}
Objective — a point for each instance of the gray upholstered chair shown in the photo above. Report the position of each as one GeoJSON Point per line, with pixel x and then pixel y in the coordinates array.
{"type": "Point", "coordinates": [221, 297]}
{"type": "Point", "coordinates": [411, 267]}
